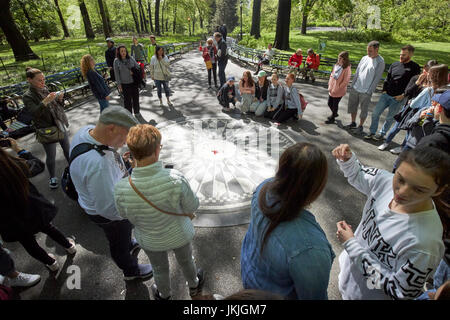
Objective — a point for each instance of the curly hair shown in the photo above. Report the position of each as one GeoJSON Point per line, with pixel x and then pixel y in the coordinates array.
{"type": "Point", "coordinates": [85, 64]}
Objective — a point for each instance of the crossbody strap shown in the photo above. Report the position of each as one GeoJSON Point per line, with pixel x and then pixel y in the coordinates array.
{"type": "Point", "coordinates": [190, 215]}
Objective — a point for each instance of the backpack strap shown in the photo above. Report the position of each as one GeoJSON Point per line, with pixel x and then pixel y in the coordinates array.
{"type": "Point", "coordinates": [84, 147]}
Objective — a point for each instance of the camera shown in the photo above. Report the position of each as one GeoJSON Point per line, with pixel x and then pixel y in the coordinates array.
{"type": "Point", "coordinates": [5, 143]}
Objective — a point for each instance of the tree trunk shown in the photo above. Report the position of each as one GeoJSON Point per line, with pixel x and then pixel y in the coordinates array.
{"type": "Point", "coordinates": [304, 22]}
{"type": "Point", "coordinates": [144, 18]}
{"type": "Point", "coordinates": [162, 16]}
{"type": "Point", "coordinates": [108, 18]}
{"type": "Point", "coordinates": [256, 19]}
{"type": "Point", "coordinates": [150, 15]}
{"type": "Point", "coordinates": [27, 16]}
{"type": "Point", "coordinates": [283, 20]}
{"type": "Point", "coordinates": [19, 46]}
{"type": "Point", "coordinates": [104, 20]}
{"type": "Point", "coordinates": [61, 18]}
{"type": "Point", "coordinates": [141, 19]}
{"type": "Point", "coordinates": [157, 31]}
{"type": "Point", "coordinates": [306, 9]}
{"type": "Point", "coordinates": [87, 22]}
{"type": "Point", "coordinates": [200, 14]}
{"type": "Point", "coordinates": [136, 22]}
{"type": "Point", "coordinates": [174, 27]}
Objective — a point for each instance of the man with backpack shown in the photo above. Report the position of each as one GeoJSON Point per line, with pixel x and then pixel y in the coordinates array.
{"type": "Point", "coordinates": [94, 174]}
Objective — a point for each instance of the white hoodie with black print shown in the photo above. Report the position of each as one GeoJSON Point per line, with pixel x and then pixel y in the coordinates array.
{"type": "Point", "coordinates": [392, 254]}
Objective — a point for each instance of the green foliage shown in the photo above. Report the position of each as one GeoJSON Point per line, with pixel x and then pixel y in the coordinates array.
{"type": "Point", "coordinates": [362, 35]}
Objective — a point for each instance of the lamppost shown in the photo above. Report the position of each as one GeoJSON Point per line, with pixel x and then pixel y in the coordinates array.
{"type": "Point", "coordinates": [240, 4]}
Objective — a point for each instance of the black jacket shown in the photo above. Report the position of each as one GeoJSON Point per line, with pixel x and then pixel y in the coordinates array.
{"type": "Point", "coordinates": [110, 55]}
{"type": "Point", "coordinates": [15, 224]}
{"type": "Point", "coordinates": [439, 138]}
{"type": "Point", "coordinates": [42, 116]}
{"type": "Point", "coordinates": [398, 77]}
{"type": "Point", "coordinates": [222, 46]}
{"type": "Point", "coordinates": [97, 85]}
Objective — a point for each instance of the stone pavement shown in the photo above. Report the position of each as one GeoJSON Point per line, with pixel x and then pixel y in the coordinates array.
{"type": "Point", "coordinates": [218, 238]}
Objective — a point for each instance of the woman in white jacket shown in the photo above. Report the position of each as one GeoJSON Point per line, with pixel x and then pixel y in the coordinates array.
{"type": "Point", "coordinates": [158, 202]}
{"type": "Point", "coordinates": [398, 243]}
{"type": "Point", "coordinates": [159, 72]}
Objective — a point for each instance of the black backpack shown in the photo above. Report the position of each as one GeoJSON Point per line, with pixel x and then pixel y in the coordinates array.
{"type": "Point", "coordinates": [66, 180]}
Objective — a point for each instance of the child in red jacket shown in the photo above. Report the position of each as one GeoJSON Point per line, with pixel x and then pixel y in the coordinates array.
{"type": "Point", "coordinates": [312, 63]}
{"type": "Point", "coordinates": [295, 62]}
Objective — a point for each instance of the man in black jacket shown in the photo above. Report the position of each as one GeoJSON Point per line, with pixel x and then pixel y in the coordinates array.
{"type": "Point", "coordinates": [224, 32]}
{"type": "Point", "coordinates": [110, 55]}
{"type": "Point", "coordinates": [393, 98]}
{"type": "Point", "coordinates": [440, 136]}
{"type": "Point", "coordinates": [222, 57]}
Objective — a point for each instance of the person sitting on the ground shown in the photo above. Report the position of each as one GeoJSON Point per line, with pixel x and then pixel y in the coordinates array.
{"type": "Point", "coordinates": [227, 94]}
{"type": "Point", "coordinates": [25, 212]}
{"type": "Point", "coordinates": [291, 99]}
{"type": "Point", "coordinates": [49, 119]}
{"type": "Point", "coordinates": [96, 82]}
{"type": "Point", "coordinates": [209, 54]}
{"type": "Point", "coordinates": [110, 56]}
{"type": "Point", "coordinates": [94, 175]}
{"type": "Point", "coordinates": [265, 58]}
{"type": "Point", "coordinates": [398, 76]}
{"type": "Point", "coordinates": [164, 225]}
{"type": "Point", "coordinates": [12, 277]}
{"type": "Point", "coordinates": [246, 90]}
{"type": "Point", "coordinates": [337, 85]}
{"type": "Point", "coordinates": [399, 237]}
{"type": "Point", "coordinates": [295, 62]}
{"type": "Point", "coordinates": [259, 104]}
{"type": "Point", "coordinates": [5, 114]}
{"type": "Point", "coordinates": [285, 251]}
{"type": "Point", "coordinates": [275, 97]}
{"type": "Point", "coordinates": [415, 87]}
{"type": "Point", "coordinates": [312, 63]}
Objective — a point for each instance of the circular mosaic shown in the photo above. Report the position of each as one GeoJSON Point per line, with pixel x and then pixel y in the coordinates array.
{"type": "Point", "coordinates": [224, 160]}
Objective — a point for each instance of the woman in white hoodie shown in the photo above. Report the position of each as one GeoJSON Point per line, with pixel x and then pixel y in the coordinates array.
{"type": "Point", "coordinates": [398, 243]}
{"type": "Point", "coordinates": [159, 203]}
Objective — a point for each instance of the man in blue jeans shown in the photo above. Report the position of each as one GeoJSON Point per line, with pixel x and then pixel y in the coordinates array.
{"type": "Point", "coordinates": [393, 97]}
{"type": "Point", "coordinates": [94, 175]}
{"type": "Point", "coordinates": [222, 57]}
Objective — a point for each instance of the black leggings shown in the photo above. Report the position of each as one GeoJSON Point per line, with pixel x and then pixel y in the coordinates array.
{"type": "Point", "coordinates": [214, 72]}
{"type": "Point", "coordinates": [32, 247]}
{"type": "Point", "coordinates": [333, 103]}
{"type": "Point", "coordinates": [131, 97]}
{"type": "Point", "coordinates": [285, 115]}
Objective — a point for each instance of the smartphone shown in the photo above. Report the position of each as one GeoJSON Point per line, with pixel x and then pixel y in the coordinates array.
{"type": "Point", "coordinates": [5, 143]}
{"type": "Point", "coordinates": [168, 166]}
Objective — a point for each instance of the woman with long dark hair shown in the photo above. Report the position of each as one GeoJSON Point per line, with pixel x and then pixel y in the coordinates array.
{"type": "Point", "coordinates": [160, 73]}
{"type": "Point", "coordinates": [285, 251]}
{"type": "Point", "coordinates": [25, 212]}
{"type": "Point", "coordinates": [398, 243]}
{"type": "Point", "coordinates": [124, 78]}
{"type": "Point", "coordinates": [246, 90]}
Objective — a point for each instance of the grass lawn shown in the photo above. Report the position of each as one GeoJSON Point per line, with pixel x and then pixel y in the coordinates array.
{"type": "Point", "coordinates": [389, 51]}
{"type": "Point", "coordinates": [53, 52]}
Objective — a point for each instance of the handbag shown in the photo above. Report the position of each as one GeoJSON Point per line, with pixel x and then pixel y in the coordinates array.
{"type": "Point", "coordinates": [167, 77]}
{"type": "Point", "coordinates": [208, 64]}
{"type": "Point", "coordinates": [49, 135]}
{"type": "Point", "coordinates": [190, 215]}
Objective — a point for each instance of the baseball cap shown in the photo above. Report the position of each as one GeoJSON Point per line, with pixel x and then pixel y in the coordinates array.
{"type": "Point", "coordinates": [119, 116]}
{"type": "Point", "coordinates": [262, 73]}
{"type": "Point", "coordinates": [443, 99]}
{"type": "Point", "coordinates": [231, 78]}
{"type": "Point", "coordinates": [110, 40]}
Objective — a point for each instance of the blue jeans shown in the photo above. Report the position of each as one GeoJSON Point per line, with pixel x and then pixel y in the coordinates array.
{"type": "Point", "coordinates": [165, 84]}
{"type": "Point", "coordinates": [118, 234]}
{"type": "Point", "coordinates": [386, 101]}
{"type": "Point", "coordinates": [103, 104]}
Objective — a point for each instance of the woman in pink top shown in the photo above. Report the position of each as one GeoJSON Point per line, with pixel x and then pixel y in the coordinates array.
{"type": "Point", "coordinates": [337, 85]}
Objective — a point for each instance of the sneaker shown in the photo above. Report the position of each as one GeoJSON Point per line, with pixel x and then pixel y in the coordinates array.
{"type": "Point", "coordinates": [134, 246]}
{"type": "Point", "coordinates": [170, 104]}
{"type": "Point", "coordinates": [201, 280]}
{"type": "Point", "coordinates": [369, 136]}
{"type": "Point", "coordinates": [157, 294]}
{"type": "Point", "coordinates": [55, 266]}
{"type": "Point", "coordinates": [145, 272]}
{"type": "Point", "coordinates": [209, 88]}
{"type": "Point", "coordinates": [378, 137]}
{"type": "Point", "coordinates": [384, 146]}
{"type": "Point", "coordinates": [330, 120]}
{"type": "Point", "coordinates": [72, 249]}
{"type": "Point", "coordinates": [160, 103]}
{"type": "Point", "coordinates": [358, 130]}
{"type": "Point", "coordinates": [137, 114]}
{"type": "Point", "coordinates": [350, 126]}
{"type": "Point", "coordinates": [22, 280]}
{"type": "Point", "coordinates": [396, 150]}
{"type": "Point", "coordinates": [53, 183]}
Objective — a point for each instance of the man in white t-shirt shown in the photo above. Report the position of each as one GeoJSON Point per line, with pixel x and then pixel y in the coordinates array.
{"type": "Point", "coordinates": [94, 175]}
{"type": "Point", "coordinates": [368, 73]}
{"type": "Point", "coordinates": [265, 58]}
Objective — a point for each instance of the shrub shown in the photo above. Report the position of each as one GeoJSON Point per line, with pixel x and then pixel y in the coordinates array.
{"type": "Point", "coordinates": [362, 35]}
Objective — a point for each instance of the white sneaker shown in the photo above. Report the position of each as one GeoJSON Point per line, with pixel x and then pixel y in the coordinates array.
{"type": "Point", "coordinates": [22, 280]}
{"type": "Point", "coordinates": [55, 266]}
{"type": "Point", "coordinates": [383, 146]}
{"type": "Point", "coordinates": [396, 150]}
{"type": "Point", "coordinates": [72, 249]}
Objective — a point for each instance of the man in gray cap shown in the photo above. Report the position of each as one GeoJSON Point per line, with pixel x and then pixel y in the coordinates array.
{"type": "Point", "coordinates": [110, 55]}
{"type": "Point", "coordinates": [94, 174]}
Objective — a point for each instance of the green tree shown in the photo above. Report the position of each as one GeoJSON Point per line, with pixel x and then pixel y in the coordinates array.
{"type": "Point", "coordinates": [256, 19]}
{"type": "Point", "coordinates": [283, 22]}
{"type": "Point", "coordinates": [226, 13]}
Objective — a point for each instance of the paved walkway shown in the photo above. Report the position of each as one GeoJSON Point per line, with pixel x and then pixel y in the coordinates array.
{"type": "Point", "coordinates": [216, 249]}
